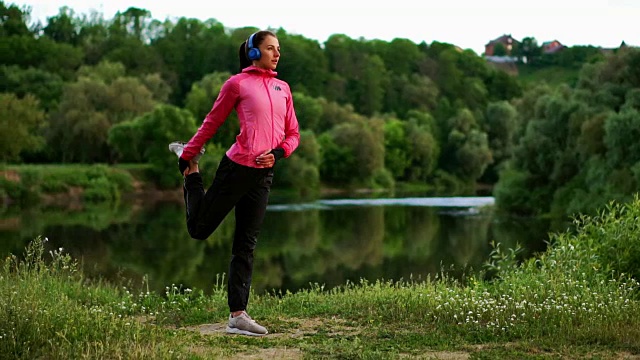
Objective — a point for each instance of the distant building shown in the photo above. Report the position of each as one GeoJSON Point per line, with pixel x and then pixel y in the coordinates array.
{"type": "Point", "coordinates": [551, 47]}
{"type": "Point", "coordinates": [607, 51]}
{"type": "Point", "coordinates": [507, 41]}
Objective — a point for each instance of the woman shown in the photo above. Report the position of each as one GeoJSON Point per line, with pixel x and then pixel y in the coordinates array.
{"type": "Point", "coordinates": [268, 132]}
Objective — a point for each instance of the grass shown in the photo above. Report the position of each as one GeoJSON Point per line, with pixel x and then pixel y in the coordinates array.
{"type": "Point", "coordinates": [572, 301]}
{"type": "Point", "coordinates": [27, 184]}
{"type": "Point", "coordinates": [553, 75]}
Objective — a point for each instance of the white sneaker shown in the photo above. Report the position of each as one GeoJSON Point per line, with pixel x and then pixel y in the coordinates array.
{"type": "Point", "coordinates": [245, 325]}
{"type": "Point", "coordinates": [178, 146]}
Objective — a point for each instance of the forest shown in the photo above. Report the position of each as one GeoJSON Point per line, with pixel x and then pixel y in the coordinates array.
{"type": "Point", "coordinates": [84, 89]}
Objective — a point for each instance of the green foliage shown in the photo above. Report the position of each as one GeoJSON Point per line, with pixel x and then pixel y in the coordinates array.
{"type": "Point", "coordinates": [15, 191]}
{"type": "Point", "coordinates": [466, 150]}
{"type": "Point", "coordinates": [351, 153]}
{"type": "Point", "coordinates": [411, 92]}
{"type": "Point", "coordinates": [576, 149]}
{"type": "Point", "coordinates": [200, 100]}
{"type": "Point", "coordinates": [622, 131]}
{"type": "Point", "coordinates": [44, 85]}
{"type": "Point", "coordinates": [190, 49]}
{"type": "Point", "coordinates": [20, 126]}
{"type": "Point", "coordinates": [49, 310]}
{"type": "Point", "coordinates": [152, 134]}
{"type": "Point", "coordinates": [300, 171]}
{"type": "Point", "coordinates": [62, 27]}
{"type": "Point", "coordinates": [513, 194]}
{"type": "Point", "coordinates": [529, 49]}
{"type": "Point", "coordinates": [424, 154]}
{"type": "Point", "coordinates": [308, 111]}
{"type": "Point", "coordinates": [573, 57]}
{"type": "Point", "coordinates": [97, 182]}
{"type": "Point", "coordinates": [304, 67]}
{"type": "Point", "coordinates": [501, 261]}
{"type": "Point", "coordinates": [115, 70]}
{"type": "Point", "coordinates": [501, 124]}
{"type": "Point", "coordinates": [396, 148]}
{"type": "Point", "coordinates": [90, 107]}
{"type": "Point", "coordinates": [449, 184]}
{"type": "Point", "coordinates": [553, 75]}
{"type": "Point", "coordinates": [14, 20]}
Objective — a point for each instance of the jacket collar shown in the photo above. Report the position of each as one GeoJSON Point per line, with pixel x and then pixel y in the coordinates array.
{"type": "Point", "coordinates": [260, 71]}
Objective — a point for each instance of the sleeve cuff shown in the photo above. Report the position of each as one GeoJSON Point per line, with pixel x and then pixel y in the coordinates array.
{"type": "Point", "coordinates": [182, 165]}
{"type": "Point", "coordinates": [278, 153]}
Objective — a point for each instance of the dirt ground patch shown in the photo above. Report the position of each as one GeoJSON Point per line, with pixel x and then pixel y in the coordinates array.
{"type": "Point", "coordinates": [442, 355]}
{"type": "Point", "coordinates": [300, 328]}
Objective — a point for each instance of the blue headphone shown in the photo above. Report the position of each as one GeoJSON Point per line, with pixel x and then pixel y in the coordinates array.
{"type": "Point", "coordinates": [253, 53]}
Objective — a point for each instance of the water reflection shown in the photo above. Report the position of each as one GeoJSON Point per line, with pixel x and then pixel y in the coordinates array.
{"type": "Point", "coordinates": [327, 242]}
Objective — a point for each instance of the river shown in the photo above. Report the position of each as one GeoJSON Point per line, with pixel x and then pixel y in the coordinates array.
{"type": "Point", "coordinates": [326, 242]}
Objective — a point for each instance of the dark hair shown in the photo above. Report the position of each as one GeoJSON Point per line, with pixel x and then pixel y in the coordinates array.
{"type": "Point", "coordinates": [258, 38]}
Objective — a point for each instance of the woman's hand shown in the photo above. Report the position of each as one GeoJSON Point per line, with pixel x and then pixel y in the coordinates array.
{"type": "Point", "coordinates": [266, 159]}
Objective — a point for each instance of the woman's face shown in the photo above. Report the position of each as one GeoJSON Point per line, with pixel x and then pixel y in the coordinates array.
{"type": "Point", "coordinates": [270, 50]}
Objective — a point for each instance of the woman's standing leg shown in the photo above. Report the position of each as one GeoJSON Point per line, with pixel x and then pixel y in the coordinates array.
{"type": "Point", "coordinates": [250, 211]}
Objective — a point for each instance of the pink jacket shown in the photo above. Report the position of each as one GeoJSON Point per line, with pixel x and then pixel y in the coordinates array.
{"type": "Point", "coordinates": [265, 110]}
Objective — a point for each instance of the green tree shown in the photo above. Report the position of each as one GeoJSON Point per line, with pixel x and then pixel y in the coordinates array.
{"type": "Point", "coordinates": [93, 34]}
{"type": "Point", "coordinates": [397, 150]}
{"type": "Point", "coordinates": [425, 151]}
{"type": "Point", "coordinates": [466, 151]}
{"type": "Point", "coordinates": [303, 64]}
{"type": "Point", "coordinates": [352, 153]}
{"type": "Point", "coordinates": [62, 27]}
{"type": "Point", "coordinates": [401, 56]}
{"type": "Point", "coordinates": [89, 107]}
{"type": "Point", "coordinates": [413, 92]}
{"type": "Point", "coordinates": [300, 171]}
{"type": "Point", "coordinates": [529, 51]}
{"type": "Point", "coordinates": [200, 100]}
{"type": "Point", "coordinates": [20, 124]}
{"type": "Point", "coordinates": [153, 132]}
{"type": "Point", "coordinates": [190, 49]}
{"type": "Point", "coordinates": [502, 86]}
{"type": "Point", "coordinates": [500, 126]}
{"type": "Point", "coordinates": [308, 111]}
{"type": "Point", "coordinates": [13, 20]}
{"type": "Point", "coordinates": [46, 86]}
{"type": "Point", "coordinates": [622, 131]}
{"type": "Point", "coordinates": [368, 85]}
{"type": "Point", "coordinates": [127, 40]}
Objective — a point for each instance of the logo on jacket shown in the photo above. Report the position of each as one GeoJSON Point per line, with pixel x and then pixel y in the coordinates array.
{"type": "Point", "coordinates": [277, 88]}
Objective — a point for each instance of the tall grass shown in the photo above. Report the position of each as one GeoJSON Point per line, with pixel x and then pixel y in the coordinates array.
{"type": "Point", "coordinates": [579, 296]}
{"type": "Point", "coordinates": [47, 310]}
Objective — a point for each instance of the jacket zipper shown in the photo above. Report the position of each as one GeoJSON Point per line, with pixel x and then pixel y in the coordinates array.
{"type": "Point", "coordinates": [266, 87]}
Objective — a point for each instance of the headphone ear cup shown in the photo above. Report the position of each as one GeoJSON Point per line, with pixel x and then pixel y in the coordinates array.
{"type": "Point", "coordinates": [254, 54]}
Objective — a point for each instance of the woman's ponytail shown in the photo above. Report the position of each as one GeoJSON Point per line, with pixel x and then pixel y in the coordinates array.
{"type": "Point", "coordinates": [242, 56]}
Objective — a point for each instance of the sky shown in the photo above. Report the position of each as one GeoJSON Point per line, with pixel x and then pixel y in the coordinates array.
{"type": "Point", "coordinates": [469, 24]}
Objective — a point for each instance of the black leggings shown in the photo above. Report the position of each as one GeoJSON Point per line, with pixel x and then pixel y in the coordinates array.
{"type": "Point", "coordinates": [245, 188]}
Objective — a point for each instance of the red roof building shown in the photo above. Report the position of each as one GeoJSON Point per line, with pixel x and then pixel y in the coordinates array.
{"type": "Point", "coordinates": [506, 40]}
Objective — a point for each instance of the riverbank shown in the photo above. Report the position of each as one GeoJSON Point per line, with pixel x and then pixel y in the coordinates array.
{"type": "Point", "coordinates": [575, 301]}
{"type": "Point", "coordinates": [73, 185]}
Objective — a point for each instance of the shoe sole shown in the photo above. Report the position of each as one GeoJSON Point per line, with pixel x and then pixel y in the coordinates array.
{"type": "Point", "coordinates": [231, 330]}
